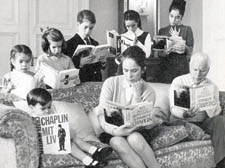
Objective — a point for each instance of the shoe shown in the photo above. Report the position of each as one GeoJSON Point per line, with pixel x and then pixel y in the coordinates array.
{"type": "Point", "coordinates": [102, 153]}
{"type": "Point", "coordinates": [97, 164]}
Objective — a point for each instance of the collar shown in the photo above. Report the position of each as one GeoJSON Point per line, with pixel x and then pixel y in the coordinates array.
{"type": "Point", "coordinates": [61, 55]}
{"type": "Point", "coordinates": [127, 85]}
{"type": "Point", "coordinates": [138, 32]}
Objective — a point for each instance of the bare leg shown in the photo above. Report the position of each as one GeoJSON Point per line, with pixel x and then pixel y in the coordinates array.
{"type": "Point", "coordinates": [85, 146]}
{"type": "Point", "coordinates": [127, 154]}
{"type": "Point", "coordinates": [77, 152]}
{"type": "Point", "coordinates": [141, 147]}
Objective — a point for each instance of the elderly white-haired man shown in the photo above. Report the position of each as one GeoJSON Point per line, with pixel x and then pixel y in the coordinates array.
{"type": "Point", "coordinates": [210, 120]}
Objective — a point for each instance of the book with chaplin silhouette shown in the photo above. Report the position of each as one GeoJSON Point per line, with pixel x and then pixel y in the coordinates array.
{"type": "Point", "coordinates": [140, 114]}
{"type": "Point", "coordinates": [58, 79]}
{"type": "Point", "coordinates": [100, 52]}
{"type": "Point", "coordinates": [202, 97]}
{"type": "Point", "coordinates": [53, 133]}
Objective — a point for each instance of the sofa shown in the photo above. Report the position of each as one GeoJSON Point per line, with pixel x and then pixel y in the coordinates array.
{"type": "Point", "coordinates": [18, 136]}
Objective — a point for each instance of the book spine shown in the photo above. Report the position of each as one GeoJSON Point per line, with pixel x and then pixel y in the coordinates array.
{"type": "Point", "coordinates": [118, 44]}
{"type": "Point", "coordinates": [38, 127]}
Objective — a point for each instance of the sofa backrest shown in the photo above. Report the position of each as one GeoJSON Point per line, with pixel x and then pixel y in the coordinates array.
{"type": "Point", "coordinates": [162, 97]}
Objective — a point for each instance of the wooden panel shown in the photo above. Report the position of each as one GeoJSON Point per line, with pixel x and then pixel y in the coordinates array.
{"type": "Point", "coordinates": [214, 39]}
{"type": "Point", "coordinates": [7, 40]}
{"type": "Point", "coordinates": [60, 14]}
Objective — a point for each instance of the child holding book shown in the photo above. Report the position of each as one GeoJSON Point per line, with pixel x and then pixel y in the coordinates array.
{"type": "Point", "coordinates": [88, 72]}
{"type": "Point", "coordinates": [20, 79]}
{"type": "Point", "coordinates": [40, 102]}
{"type": "Point", "coordinates": [52, 44]}
{"type": "Point", "coordinates": [133, 30]}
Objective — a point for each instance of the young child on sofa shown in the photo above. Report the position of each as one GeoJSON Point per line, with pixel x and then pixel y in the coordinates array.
{"type": "Point", "coordinates": [40, 102]}
{"type": "Point", "coordinates": [20, 80]}
{"type": "Point", "coordinates": [52, 44]}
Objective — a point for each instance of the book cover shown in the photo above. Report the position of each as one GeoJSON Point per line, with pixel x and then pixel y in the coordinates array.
{"type": "Point", "coordinates": [177, 43]}
{"type": "Point", "coordinates": [53, 133]}
{"type": "Point", "coordinates": [23, 83]}
{"type": "Point", "coordinates": [201, 97]}
{"type": "Point", "coordinates": [117, 41]}
{"type": "Point", "coordinates": [59, 79]}
{"type": "Point", "coordinates": [101, 52]}
{"type": "Point", "coordinates": [140, 114]}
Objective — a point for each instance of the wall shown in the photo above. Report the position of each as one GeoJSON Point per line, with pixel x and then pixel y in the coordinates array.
{"type": "Point", "coordinates": [192, 17]}
{"type": "Point", "coordinates": [106, 12]}
{"type": "Point", "coordinates": [214, 39]}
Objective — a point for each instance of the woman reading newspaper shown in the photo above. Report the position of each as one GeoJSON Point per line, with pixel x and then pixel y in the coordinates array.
{"type": "Point", "coordinates": [179, 44]}
{"type": "Point", "coordinates": [128, 89]}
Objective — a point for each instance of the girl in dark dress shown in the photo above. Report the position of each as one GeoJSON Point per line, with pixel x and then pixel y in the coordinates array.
{"type": "Point", "coordinates": [174, 64]}
{"type": "Point", "coordinates": [133, 30]}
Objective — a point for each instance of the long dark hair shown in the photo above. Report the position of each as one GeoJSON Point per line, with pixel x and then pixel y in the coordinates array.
{"type": "Point", "coordinates": [178, 5]}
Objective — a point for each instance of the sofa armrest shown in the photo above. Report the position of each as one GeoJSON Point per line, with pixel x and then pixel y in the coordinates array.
{"type": "Point", "coordinates": [19, 126]}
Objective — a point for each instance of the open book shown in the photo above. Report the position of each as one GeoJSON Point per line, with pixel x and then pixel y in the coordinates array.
{"type": "Point", "coordinates": [177, 43]}
{"type": "Point", "coordinates": [164, 42]}
{"type": "Point", "coordinates": [101, 52]}
{"type": "Point", "coordinates": [117, 41]}
{"type": "Point", "coordinates": [201, 97]}
{"type": "Point", "coordinates": [21, 81]}
{"type": "Point", "coordinates": [58, 79]}
{"type": "Point", "coordinates": [53, 133]}
{"type": "Point", "coordinates": [140, 114]}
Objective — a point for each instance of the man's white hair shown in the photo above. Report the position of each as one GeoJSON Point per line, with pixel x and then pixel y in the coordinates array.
{"type": "Point", "coordinates": [200, 56]}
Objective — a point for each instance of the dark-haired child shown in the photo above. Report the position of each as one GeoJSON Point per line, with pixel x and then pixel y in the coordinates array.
{"type": "Point", "coordinates": [88, 72]}
{"type": "Point", "coordinates": [133, 30]}
{"type": "Point", "coordinates": [40, 102]}
{"type": "Point", "coordinates": [174, 64]}
{"type": "Point", "coordinates": [20, 59]}
{"type": "Point", "coordinates": [52, 44]}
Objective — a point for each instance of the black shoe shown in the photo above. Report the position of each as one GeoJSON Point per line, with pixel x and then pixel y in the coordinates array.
{"type": "Point", "coordinates": [102, 153]}
{"type": "Point", "coordinates": [97, 164]}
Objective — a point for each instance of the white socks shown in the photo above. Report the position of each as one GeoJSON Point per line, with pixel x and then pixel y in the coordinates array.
{"type": "Point", "coordinates": [92, 150]}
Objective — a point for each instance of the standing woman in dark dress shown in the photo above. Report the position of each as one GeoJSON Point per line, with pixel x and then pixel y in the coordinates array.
{"type": "Point", "coordinates": [88, 72]}
{"type": "Point", "coordinates": [174, 64]}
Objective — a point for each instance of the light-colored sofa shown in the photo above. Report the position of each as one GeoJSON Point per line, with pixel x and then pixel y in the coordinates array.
{"type": "Point", "coordinates": [20, 146]}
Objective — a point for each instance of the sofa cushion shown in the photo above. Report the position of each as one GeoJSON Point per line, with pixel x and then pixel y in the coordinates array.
{"type": "Point", "coordinates": [86, 94]}
{"type": "Point", "coordinates": [164, 136]}
{"type": "Point", "coordinates": [195, 132]}
{"type": "Point", "coordinates": [162, 98]}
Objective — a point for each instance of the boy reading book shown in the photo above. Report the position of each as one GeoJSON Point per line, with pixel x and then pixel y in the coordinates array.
{"type": "Point", "coordinates": [101, 52]}
{"type": "Point", "coordinates": [40, 101]}
{"type": "Point", "coordinates": [88, 72]}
